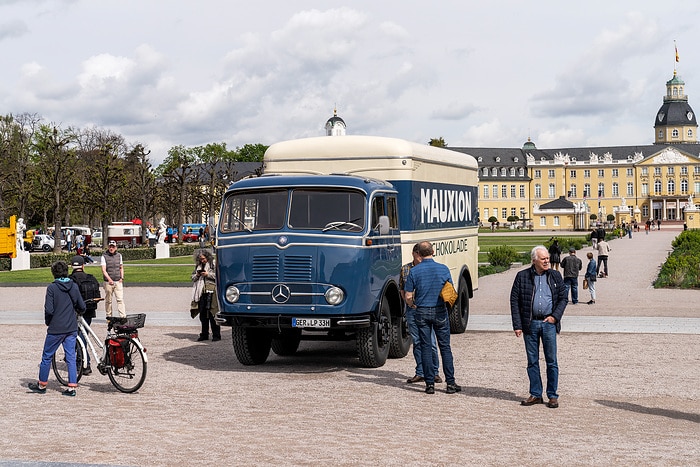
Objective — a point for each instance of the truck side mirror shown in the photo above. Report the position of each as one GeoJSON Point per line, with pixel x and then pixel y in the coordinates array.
{"type": "Point", "coordinates": [383, 225]}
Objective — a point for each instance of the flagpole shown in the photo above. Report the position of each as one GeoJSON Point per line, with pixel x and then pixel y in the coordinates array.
{"type": "Point", "coordinates": [677, 57]}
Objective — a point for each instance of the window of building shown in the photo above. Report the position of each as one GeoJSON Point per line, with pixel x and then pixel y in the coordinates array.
{"type": "Point", "coordinates": [512, 171]}
{"type": "Point", "coordinates": [494, 191]}
{"type": "Point", "coordinates": [587, 190]}
{"type": "Point", "coordinates": [503, 171]}
{"type": "Point", "coordinates": [684, 187]}
{"type": "Point", "coordinates": [670, 170]}
{"type": "Point", "coordinates": [586, 173]}
{"type": "Point", "coordinates": [522, 191]}
{"type": "Point", "coordinates": [572, 174]}
{"type": "Point", "coordinates": [512, 191]}
{"type": "Point", "coordinates": [572, 191]}
{"type": "Point", "coordinates": [538, 190]}
{"type": "Point", "coordinates": [615, 190]}
{"type": "Point", "coordinates": [504, 213]}
{"type": "Point", "coordinates": [486, 213]}
{"type": "Point", "coordinates": [630, 172]}
{"type": "Point", "coordinates": [661, 134]}
{"type": "Point", "coordinates": [696, 190]}
{"type": "Point", "coordinates": [645, 210]}
{"type": "Point", "coordinates": [674, 133]}
{"type": "Point", "coordinates": [615, 172]}
{"type": "Point", "coordinates": [550, 173]}
{"type": "Point", "coordinates": [486, 192]}
{"type": "Point", "coordinates": [630, 189]}
{"type": "Point", "coordinates": [684, 170]}
{"type": "Point", "coordinates": [556, 221]}
{"type": "Point", "coordinates": [657, 171]}
{"type": "Point", "coordinates": [671, 186]}
{"type": "Point", "coordinates": [521, 171]}
{"type": "Point", "coordinates": [543, 221]}
{"type": "Point", "coordinates": [657, 187]}
{"type": "Point", "coordinates": [645, 189]}
{"type": "Point", "coordinates": [485, 171]}
{"type": "Point", "coordinates": [512, 212]}
{"type": "Point", "coordinates": [538, 173]}
{"type": "Point", "coordinates": [601, 173]}
{"type": "Point", "coordinates": [494, 171]}
{"type": "Point", "coordinates": [690, 133]}
{"type": "Point", "coordinates": [696, 170]}
{"type": "Point", "coordinates": [504, 191]}
{"type": "Point", "coordinates": [552, 190]}
{"type": "Point", "coordinates": [601, 190]}
{"type": "Point", "coordinates": [645, 170]}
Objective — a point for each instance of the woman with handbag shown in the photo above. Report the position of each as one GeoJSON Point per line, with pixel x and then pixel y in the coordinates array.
{"type": "Point", "coordinates": [590, 277]}
{"type": "Point", "coordinates": [204, 300]}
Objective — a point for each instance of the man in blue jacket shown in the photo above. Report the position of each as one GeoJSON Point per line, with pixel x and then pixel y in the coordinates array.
{"type": "Point", "coordinates": [537, 302]}
{"type": "Point", "coordinates": [62, 301]}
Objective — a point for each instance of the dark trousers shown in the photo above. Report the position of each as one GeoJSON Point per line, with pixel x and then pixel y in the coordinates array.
{"type": "Point", "coordinates": [206, 318]}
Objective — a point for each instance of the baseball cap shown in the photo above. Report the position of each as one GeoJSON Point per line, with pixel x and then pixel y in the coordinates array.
{"type": "Point", "coordinates": [112, 242]}
{"type": "Point", "coordinates": [77, 261]}
{"type": "Point", "coordinates": [572, 250]}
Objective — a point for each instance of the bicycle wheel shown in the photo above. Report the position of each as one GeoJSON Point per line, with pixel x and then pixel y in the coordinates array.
{"type": "Point", "coordinates": [130, 376]}
{"type": "Point", "coordinates": [60, 366]}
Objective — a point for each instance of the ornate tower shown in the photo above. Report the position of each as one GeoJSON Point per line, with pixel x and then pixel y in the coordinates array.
{"type": "Point", "coordinates": [335, 126]}
{"type": "Point", "coordinates": [675, 121]}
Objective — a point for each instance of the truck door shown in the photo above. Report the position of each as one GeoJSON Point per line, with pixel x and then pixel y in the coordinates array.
{"type": "Point", "coordinates": [386, 205]}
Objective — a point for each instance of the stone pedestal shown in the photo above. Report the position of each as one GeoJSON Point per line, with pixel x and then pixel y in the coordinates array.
{"type": "Point", "coordinates": [22, 262]}
{"type": "Point", "coordinates": [162, 250]}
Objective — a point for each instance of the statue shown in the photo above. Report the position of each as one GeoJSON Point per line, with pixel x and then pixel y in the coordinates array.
{"type": "Point", "coordinates": [162, 228]}
{"type": "Point", "coordinates": [20, 226]}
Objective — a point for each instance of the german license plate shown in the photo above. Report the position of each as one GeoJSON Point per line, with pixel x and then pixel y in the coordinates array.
{"type": "Point", "coordinates": [311, 322]}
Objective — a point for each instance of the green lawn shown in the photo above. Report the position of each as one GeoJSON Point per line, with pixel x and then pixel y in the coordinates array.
{"type": "Point", "coordinates": [522, 243]}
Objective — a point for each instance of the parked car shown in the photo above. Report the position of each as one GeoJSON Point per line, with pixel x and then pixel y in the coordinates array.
{"type": "Point", "coordinates": [43, 242]}
{"type": "Point", "coordinates": [97, 238]}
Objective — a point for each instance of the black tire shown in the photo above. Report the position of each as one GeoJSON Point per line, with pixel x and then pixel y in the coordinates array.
{"type": "Point", "coordinates": [45, 247]}
{"type": "Point", "coordinates": [459, 314]}
{"type": "Point", "coordinates": [251, 346]}
{"type": "Point", "coordinates": [286, 343]}
{"type": "Point", "coordinates": [130, 377]}
{"type": "Point", "coordinates": [60, 367]}
{"type": "Point", "coordinates": [400, 337]}
{"type": "Point", "coordinates": [373, 342]}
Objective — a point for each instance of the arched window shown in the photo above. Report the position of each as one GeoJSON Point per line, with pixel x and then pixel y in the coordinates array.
{"type": "Point", "coordinates": [538, 190]}
{"type": "Point", "coordinates": [521, 171]}
{"type": "Point", "coordinates": [503, 171]}
{"type": "Point", "coordinates": [675, 133]}
{"type": "Point", "coordinates": [671, 185]}
{"type": "Point", "coordinates": [684, 186]}
{"type": "Point", "coordinates": [615, 190]}
{"type": "Point", "coordinates": [494, 171]}
{"type": "Point", "coordinates": [657, 187]}
{"type": "Point", "coordinates": [485, 171]}
{"type": "Point", "coordinates": [512, 171]}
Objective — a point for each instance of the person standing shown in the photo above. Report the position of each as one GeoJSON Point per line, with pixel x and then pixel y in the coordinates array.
{"type": "Point", "coordinates": [590, 276]}
{"type": "Point", "coordinates": [555, 254]}
{"type": "Point", "coordinates": [203, 293]}
{"type": "Point", "coordinates": [113, 274]}
{"type": "Point", "coordinates": [603, 253]}
{"type": "Point", "coordinates": [594, 238]}
{"type": "Point", "coordinates": [571, 265]}
{"type": "Point", "coordinates": [658, 224]}
{"type": "Point", "coordinates": [90, 290]}
{"type": "Point", "coordinates": [537, 303]}
{"type": "Point", "coordinates": [423, 286]}
{"type": "Point", "coordinates": [647, 227]}
{"type": "Point", "coordinates": [413, 329]}
{"type": "Point", "coordinates": [62, 301]}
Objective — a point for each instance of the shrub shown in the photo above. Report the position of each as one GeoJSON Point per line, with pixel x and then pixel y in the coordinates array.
{"type": "Point", "coordinates": [502, 256]}
{"type": "Point", "coordinates": [682, 267]}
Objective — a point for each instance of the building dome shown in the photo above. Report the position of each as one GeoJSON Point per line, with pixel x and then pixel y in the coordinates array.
{"type": "Point", "coordinates": [335, 126]}
{"type": "Point", "coordinates": [675, 121]}
{"type": "Point", "coordinates": [529, 145]}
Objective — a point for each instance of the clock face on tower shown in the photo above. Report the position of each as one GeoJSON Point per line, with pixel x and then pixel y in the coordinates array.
{"type": "Point", "coordinates": [689, 115]}
{"type": "Point", "coordinates": [661, 116]}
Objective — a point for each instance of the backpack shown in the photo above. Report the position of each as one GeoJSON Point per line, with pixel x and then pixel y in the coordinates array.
{"type": "Point", "coordinates": [89, 288]}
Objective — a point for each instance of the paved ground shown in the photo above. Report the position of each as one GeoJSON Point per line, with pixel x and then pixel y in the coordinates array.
{"type": "Point", "coordinates": [630, 392]}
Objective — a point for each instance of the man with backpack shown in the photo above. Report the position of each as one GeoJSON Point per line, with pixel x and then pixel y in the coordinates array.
{"type": "Point", "coordinates": [89, 290]}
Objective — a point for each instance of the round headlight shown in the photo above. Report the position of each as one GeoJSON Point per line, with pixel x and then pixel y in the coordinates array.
{"type": "Point", "coordinates": [232, 294]}
{"type": "Point", "coordinates": [334, 295]}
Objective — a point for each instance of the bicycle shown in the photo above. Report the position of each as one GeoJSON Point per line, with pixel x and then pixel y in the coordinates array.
{"type": "Point", "coordinates": [123, 359]}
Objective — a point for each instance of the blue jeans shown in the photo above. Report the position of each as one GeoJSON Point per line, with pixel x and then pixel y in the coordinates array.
{"type": "Point", "coordinates": [429, 320]}
{"type": "Point", "coordinates": [50, 346]}
{"type": "Point", "coordinates": [571, 283]}
{"type": "Point", "coordinates": [547, 332]}
{"type": "Point", "coordinates": [413, 329]}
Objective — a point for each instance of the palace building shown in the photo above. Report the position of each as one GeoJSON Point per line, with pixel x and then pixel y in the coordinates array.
{"type": "Point", "coordinates": [573, 188]}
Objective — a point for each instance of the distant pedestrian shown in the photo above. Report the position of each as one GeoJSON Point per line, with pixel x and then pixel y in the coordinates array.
{"type": "Point", "coordinates": [594, 238]}
{"type": "Point", "coordinates": [113, 274]}
{"type": "Point", "coordinates": [204, 295]}
{"type": "Point", "coordinates": [647, 227]}
{"type": "Point", "coordinates": [603, 253]}
{"type": "Point", "coordinates": [423, 286]}
{"type": "Point", "coordinates": [590, 276]}
{"type": "Point", "coordinates": [571, 265]}
{"type": "Point", "coordinates": [554, 254]}
{"type": "Point", "coordinates": [629, 231]}
{"type": "Point", "coordinates": [658, 224]}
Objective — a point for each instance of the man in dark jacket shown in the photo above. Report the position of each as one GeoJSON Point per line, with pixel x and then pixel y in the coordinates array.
{"type": "Point", "coordinates": [537, 302]}
{"type": "Point", "coordinates": [90, 290]}
{"type": "Point", "coordinates": [62, 301]}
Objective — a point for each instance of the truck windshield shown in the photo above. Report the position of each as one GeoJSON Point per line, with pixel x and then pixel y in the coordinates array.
{"type": "Point", "coordinates": [309, 209]}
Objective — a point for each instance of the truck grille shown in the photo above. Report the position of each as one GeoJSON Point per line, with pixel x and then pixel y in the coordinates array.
{"type": "Point", "coordinates": [293, 268]}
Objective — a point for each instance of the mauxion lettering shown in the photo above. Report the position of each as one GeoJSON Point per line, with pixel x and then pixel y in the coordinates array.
{"type": "Point", "coordinates": [445, 205]}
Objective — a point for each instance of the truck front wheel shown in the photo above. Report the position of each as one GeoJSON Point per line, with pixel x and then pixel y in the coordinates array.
{"type": "Point", "coordinates": [252, 346]}
{"type": "Point", "coordinates": [459, 314]}
{"type": "Point", "coordinates": [373, 342]}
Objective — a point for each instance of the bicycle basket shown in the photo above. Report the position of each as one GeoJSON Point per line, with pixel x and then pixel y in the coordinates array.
{"type": "Point", "coordinates": [131, 323]}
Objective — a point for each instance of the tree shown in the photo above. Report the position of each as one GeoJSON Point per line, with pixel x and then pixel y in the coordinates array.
{"type": "Point", "coordinates": [140, 185]}
{"type": "Point", "coordinates": [438, 142]}
{"type": "Point", "coordinates": [610, 217]}
{"type": "Point", "coordinates": [216, 166]}
{"type": "Point", "coordinates": [251, 152]}
{"type": "Point", "coordinates": [593, 217]}
{"type": "Point", "coordinates": [177, 172]}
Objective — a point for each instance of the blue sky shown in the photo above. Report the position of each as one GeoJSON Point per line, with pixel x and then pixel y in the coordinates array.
{"type": "Point", "coordinates": [489, 74]}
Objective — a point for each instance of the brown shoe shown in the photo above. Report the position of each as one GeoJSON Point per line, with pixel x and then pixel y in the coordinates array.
{"type": "Point", "coordinates": [415, 379]}
{"type": "Point", "coordinates": [532, 400]}
{"type": "Point", "coordinates": [553, 403]}
{"type": "Point", "coordinates": [438, 379]}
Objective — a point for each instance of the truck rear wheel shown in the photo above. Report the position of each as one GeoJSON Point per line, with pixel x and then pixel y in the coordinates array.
{"type": "Point", "coordinates": [400, 338]}
{"type": "Point", "coordinates": [252, 346]}
{"type": "Point", "coordinates": [286, 343]}
{"type": "Point", "coordinates": [373, 342]}
{"type": "Point", "coordinates": [459, 314]}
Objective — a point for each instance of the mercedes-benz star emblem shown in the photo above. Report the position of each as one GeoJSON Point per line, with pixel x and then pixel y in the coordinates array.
{"type": "Point", "coordinates": [280, 293]}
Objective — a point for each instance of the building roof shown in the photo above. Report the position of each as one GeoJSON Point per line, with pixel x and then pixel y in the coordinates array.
{"type": "Point", "coordinates": [559, 203]}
